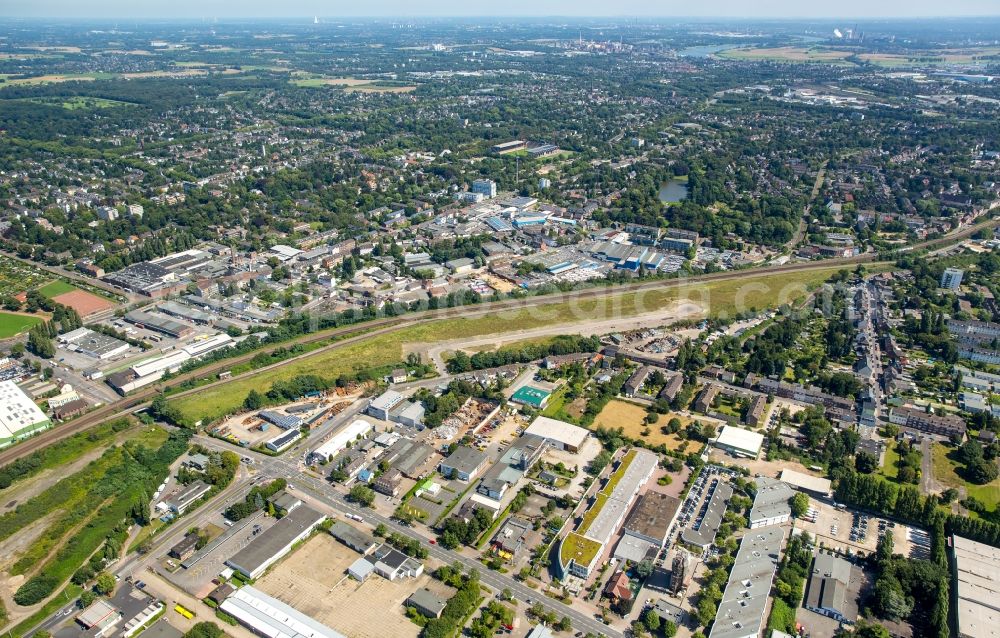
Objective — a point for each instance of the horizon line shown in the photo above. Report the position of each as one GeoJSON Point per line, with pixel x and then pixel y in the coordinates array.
{"type": "Point", "coordinates": [335, 19]}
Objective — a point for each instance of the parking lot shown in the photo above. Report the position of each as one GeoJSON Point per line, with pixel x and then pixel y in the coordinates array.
{"type": "Point", "coordinates": [852, 532]}
{"type": "Point", "coordinates": [197, 579]}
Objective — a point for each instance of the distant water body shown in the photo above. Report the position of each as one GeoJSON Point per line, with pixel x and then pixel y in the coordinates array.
{"type": "Point", "coordinates": [673, 191]}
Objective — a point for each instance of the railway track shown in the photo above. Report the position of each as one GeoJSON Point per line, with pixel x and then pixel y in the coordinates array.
{"type": "Point", "coordinates": [366, 330]}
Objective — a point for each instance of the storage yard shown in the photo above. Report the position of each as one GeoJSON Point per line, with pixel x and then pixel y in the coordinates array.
{"type": "Point", "coordinates": [314, 581]}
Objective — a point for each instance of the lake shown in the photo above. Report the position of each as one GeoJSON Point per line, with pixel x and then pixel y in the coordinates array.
{"type": "Point", "coordinates": [673, 191]}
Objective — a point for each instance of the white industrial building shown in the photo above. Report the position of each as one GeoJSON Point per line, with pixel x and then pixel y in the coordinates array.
{"type": "Point", "coordinates": [559, 434]}
{"type": "Point", "coordinates": [152, 370]}
{"type": "Point", "coordinates": [815, 485]}
{"type": "Point", "coordinates": [976, 597]}
{"type": "Point", "coordinates": [740, 442]}
{"type": "Point", "coordinates": [270, 618]}
{"type": "Point", "coordinates": [770, 503]}
{"type": "Point", "coordinates": [276, 541]}
{"type": "Point", "coordinates": [336, 443]}
{"type": "Point", "coordinates": [19, 416]}
{"type": "Point", "coordinates": [92, 344]}
{"type": "Point", "coordinates": [381, 405]}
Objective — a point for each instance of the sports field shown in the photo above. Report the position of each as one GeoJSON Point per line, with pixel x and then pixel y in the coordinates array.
{"type": "Point", "coordinates": [55, 288]}
{"type": "Point", "coordinates": [721, 298]}
{"type": "Point", "coordinates": [13, 324]}
{"type": "Point", "coordinates": [85, 303]}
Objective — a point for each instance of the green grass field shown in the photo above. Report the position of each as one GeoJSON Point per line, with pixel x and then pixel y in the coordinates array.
{"type": "Point", "coordinates": [720, 299]}
{"type": "Point", "coordinates": [945, 471]}
{"type": "Point", "coordinates": [56, 288]}
{"type": "Point", "coordinates": [11, 324]}
{"type": "Point", "coordinates": [890, 470]}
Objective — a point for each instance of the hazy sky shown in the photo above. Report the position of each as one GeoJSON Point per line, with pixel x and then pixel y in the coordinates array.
{"type": "Point", "coordinates": [412, 8]}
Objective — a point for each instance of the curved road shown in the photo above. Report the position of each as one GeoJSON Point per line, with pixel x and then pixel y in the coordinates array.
{"type": "Point", "coordinates": [356, 332]}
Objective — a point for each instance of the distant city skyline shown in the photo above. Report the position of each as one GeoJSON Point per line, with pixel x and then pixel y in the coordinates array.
{"type": "Point", "coordinates": [845, 9]}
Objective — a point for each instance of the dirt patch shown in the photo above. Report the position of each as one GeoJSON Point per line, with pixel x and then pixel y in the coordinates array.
{"type": "Point", "coordinates": [313, 581]}
{"type": "Point", "coordinates": [11, 547]}
{"type": "Point", "coordinates": [630, 417]}
{"type": "Point", "coordinates": [85, 303]}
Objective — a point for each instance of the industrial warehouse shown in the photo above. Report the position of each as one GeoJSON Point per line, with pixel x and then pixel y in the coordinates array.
{"type": "Point", "coordinates": [19, 416]}
{"type": "Point", "coordinates": [268, 548]}
{"type": "Point", "coordinates": [269, 617]}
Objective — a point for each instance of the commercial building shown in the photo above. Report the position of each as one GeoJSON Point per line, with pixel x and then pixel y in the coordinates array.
{"type": "Point", "coordinates": [283, 441]}
{"type": "Point", "coordinates": [187, 496]}
{"type": "Point", "coordinates": [426, 602]}
{"type": "Point", "coordinates": [382, 404]}
{"type": "Point", "coordinates": [185, 548]}
{"type": "Point", "coordinates": [740, 442]}
{"type": "Point", "coordinates": [93, 344]}
{"type": "Point", "coordinates": [19, 416]}
{"type": "Point", "coordinates": [540, 631]}
{"type": "Point", "coordinates": [951, 278]}
{"type": "Point", "coordinates": [391, 564]}
{"type": "Point", "coordinates": [814, 485]}
{"type": "Point", "coordinates": [360, 541]}
{"type": "Point", "coordinates": [159, 323]}
{"type": "Point", "coordinates": [276, 541]}
{"type": "Point", "coordinates": [829, 588]}
{"type": "Point", "coordinates": [702, 532]}
{"type": "Point", "coordinates": [280, 419]}
{"type": "Point", "coordinates": [741, 612]}
{"type": "Point", "coordinates": [284, 502]}
{"type": "Point", "coordinates": [517, 459]}
{"type": "Point", "coordinates": [770, 503]}
{"type": "Point", "coordinates": [558, 434]}
{"type": "Point", "coordinates": [976, 591]}
{"type": "Point", "coordinates": [360, 570]}
{"type": "Point", "coordinates": [388, 483]}
{"type": "Point", "coordinates": [357, 429]}
{"type": "Point", "coordinates": [99, 616]}
{"type": "Point", "coordinates": [145, 278]}
{"type": "Point", "coordinates": [652, 517]}
{"type": "Point", "coordinates": [408, 456]}
{"type": "Point", "coordinates": [152, 370]}
{"type": "Point", "coordinates": [580, 551]}
{"type": "Point", "coordinates": [268, 617]}
{"type": "Point", "coordinates": [531, 396]}
{"type": "Point", "coordinates": [463, 464]}
{"type": "Point", "coordinates": [510, 539]}
{"type": "Point", "coordinates": [409, 413]}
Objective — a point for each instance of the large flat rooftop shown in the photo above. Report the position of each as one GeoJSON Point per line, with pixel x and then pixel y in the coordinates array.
{"type": "Point", "coordinates": [977, 583]}
{"type": "Point", "coordinates": [741, 612]}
